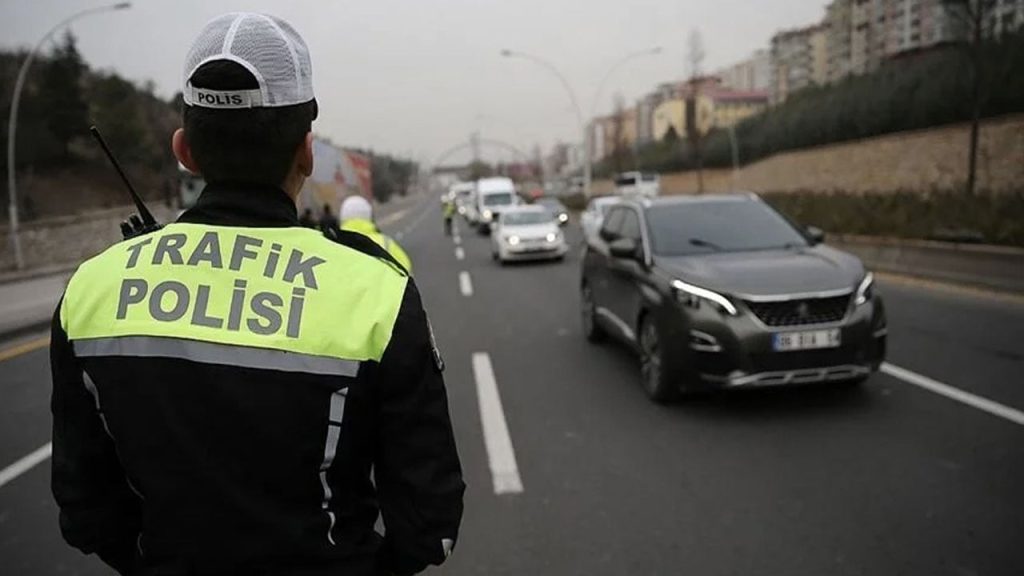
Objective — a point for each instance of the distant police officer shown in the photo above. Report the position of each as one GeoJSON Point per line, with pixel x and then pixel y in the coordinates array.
{"type": "Point", "coordinates": [357, 216]}
{"type": "Point", "coordinates": [224, 387]}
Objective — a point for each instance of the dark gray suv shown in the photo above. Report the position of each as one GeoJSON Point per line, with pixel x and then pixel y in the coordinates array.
{"type": "Point", "coordinates": [721, 291]}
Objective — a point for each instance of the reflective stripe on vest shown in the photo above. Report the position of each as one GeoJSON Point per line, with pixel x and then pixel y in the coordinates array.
{"type": "Point", "coordinates": [282, 290]}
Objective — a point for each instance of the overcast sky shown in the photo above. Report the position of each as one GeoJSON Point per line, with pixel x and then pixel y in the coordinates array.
{"type": "Point", "coordinates": [417, 76]}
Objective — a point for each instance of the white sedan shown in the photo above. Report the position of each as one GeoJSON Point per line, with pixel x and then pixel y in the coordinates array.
{"type": "Point", "coordinates": [527, 233]}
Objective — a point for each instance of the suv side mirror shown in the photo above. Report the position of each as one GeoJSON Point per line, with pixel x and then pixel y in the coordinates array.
{"type": "Point", "coordinates": [815, 235]}
{"type": "Point", "coordinates": [624, 248]}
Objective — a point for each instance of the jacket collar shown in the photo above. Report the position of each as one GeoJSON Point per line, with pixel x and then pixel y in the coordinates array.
{"type": "Point", "coordinates": [242, 205]}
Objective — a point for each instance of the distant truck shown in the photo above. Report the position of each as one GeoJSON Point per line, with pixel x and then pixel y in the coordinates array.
{"type": "Point", "coordinates": [633, 184]}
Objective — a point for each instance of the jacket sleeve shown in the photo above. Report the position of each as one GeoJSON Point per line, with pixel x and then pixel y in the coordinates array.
{"type": "Point", "coordinates": [417, 469]}
{"type": "Point", "coordinates": [99, 513]}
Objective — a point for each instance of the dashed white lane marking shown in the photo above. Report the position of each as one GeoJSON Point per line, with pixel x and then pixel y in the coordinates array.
{"type": "Point", "coordinates": [972, 400]}
{"type": "Point", "coordinates": [457, 240]}
{"type": "Point", "coordinates": [500, 454]}
{"type": "Point", "coordinates": [26, 463]}
{"type": "Point", "coordinates": [460, 253]}
{"type": "Point", "coordinates": [465, 284]}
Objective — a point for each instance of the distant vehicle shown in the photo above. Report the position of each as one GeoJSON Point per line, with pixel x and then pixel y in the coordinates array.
{"type": "Point", "coordinates": [462, 194]}
{"type": "Point", "coordinates": [527, 233]}
{"type": "Point", "coordinates": [555, 206]}
{"type": "Point", "coordinates": [492, 196]}
{"type": "Point", "coordinates": [593, 216]}
{"type": "Point", "coordinates": [644, 184]}
{"type": "Point", "coordinates": [722, 292]}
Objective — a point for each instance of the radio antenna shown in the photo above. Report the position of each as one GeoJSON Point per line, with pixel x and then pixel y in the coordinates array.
{"type": "Point", "coordinates": [147, 217]}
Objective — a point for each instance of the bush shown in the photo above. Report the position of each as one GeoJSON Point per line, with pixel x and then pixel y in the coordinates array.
{"type": "Point", "coordinates": [989, 218]}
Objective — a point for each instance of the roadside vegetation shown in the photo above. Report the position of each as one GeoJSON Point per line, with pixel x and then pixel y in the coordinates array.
{"type": "Point", "coordinates": [922, 90]}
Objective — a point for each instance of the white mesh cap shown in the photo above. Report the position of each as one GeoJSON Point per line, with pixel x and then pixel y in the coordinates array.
{"type": "Point", "coordinates": [266, 46]}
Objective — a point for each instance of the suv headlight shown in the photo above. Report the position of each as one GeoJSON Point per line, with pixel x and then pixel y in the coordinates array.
{"type": "Point", "coordinates": [691, 295]}
{"type": "Point", "coordinates": [488, 214]}
{"type": "Point", "coordinates": [865, 290]}
{"type": "Point", "coordinates": [551, 237]}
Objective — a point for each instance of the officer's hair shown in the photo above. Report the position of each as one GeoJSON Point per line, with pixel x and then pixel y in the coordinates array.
{"type": "Point", "coordinates": [250, 146]}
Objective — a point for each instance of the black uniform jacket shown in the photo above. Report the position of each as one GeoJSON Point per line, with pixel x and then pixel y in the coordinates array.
{"type": "Point", "coordinates": [171, 466]}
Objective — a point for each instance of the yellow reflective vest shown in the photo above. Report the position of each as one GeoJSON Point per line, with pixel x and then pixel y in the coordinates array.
{"type": "Point", "coordinates": [369, 229]}
{"type": "Point", "coordinates": [271, 288]}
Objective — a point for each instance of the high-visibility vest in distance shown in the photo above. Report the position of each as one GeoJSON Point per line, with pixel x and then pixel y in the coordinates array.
{"type": "Point", "coordinates": [369, 229]}
{"type": "Point", "coordinates": [277, 298]}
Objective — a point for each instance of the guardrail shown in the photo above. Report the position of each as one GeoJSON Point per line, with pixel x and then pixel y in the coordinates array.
{"type": "Point", "coordinates": [993, 267]}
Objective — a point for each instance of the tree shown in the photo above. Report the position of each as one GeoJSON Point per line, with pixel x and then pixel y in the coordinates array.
{"type": "Point", "coordinates": [695, 59]}
{"type": "Point", "coordinates": [974, 20]}
{"type": "Point", "coordinates": [66, 109]}
{"type": "Point", "coordinates": [618, 128]}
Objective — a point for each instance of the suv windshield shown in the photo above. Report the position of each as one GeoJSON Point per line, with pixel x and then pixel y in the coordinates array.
{"type": "Point", "coordinates": [718, 226]}
{"type": "Point", "coordinates": [501, 199]}
{"type": "Point", "coordinates": [524, 218]}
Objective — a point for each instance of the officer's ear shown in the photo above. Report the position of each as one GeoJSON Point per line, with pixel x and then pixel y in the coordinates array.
{"type": "Point", "coordinates": [183, 152]}
{"type": "Point", "coordinates": [304, 156]}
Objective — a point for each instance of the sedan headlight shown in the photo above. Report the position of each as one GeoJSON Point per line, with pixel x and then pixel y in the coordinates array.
{"type": "Point", "coordinates": [865, 290]}
{"type": "Point", "coordinates": [551, 237]}
{"type": "Point", "coordinates": [512, 240]}
{"type": "Point", "coordinates": [691, 295]}
{"type": "Point", "coordinates": [563, 217]}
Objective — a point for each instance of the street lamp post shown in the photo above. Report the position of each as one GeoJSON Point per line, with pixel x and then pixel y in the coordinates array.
{"type": "Point", "coordinates": [575, 104]}
{"type": "Point", "coordinates": [12, 124]}
{"type": "Point", "coordinates": [587, 160]}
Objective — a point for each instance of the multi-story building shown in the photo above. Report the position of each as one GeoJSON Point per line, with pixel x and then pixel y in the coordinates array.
{"type": "Point", "coordinates": [751, 74]}
{"type": "Point", "coordinates": [1007, 16]}
{"type": "Point", "coordinates": [715, 107]}
{"type": "Point", "coordinates": [862, 34]}
{"type": "Point", "coordinates": [838, 39]}
{"type": "Point", "coordinates": [799, 59]}
{"type": "Point", "coordinates": [645, 108]}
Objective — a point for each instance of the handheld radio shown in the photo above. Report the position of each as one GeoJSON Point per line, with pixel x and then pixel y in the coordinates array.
{"type": "Point", "coordinates": [136, 224]}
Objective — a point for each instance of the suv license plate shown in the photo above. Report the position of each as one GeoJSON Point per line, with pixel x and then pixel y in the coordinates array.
{"type": "Point", "coordinates": [815, 340]}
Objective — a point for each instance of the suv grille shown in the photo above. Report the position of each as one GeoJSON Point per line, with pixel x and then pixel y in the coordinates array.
{"type": "Point", "coordinates": [801, 312]}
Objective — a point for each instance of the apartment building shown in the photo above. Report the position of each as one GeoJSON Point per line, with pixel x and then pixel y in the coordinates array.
{"type": "Point", "coordinates": [799, 58]}
{"type": "Point", "coordinates": [716, 106]}
{"type": "Point", "coordinates": [752, 74]}
{"type": "Point", "coordinates": [861, 34]}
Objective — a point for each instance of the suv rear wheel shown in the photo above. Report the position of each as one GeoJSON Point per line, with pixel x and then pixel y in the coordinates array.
{"type": "Point", "coordinates": [588, 313]}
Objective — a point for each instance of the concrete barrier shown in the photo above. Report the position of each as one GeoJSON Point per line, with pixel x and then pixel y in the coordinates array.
{"type": "Point", "coordinates": [994, 267]}
{"type": "Point", "coordinates": [67, 240]}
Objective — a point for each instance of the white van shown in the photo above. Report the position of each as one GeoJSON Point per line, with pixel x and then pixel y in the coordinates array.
{"type": "Point", "coordinates": [644, 184]}
{"type": "Point", "coordinates": [492, 196]}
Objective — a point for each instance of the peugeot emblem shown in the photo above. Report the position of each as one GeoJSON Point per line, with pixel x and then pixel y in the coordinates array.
{"type": "Point", "coordinates": [803, 310]}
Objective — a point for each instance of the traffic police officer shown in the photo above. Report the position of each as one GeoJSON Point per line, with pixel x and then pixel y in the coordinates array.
{"type": "Point", "coordinates": [224, 387]}
{"type": "Point", "coordinates": [357, 216]}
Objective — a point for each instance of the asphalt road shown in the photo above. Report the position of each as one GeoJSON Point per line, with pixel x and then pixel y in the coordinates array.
{"type": "Point", "coordinates": [890, 478]}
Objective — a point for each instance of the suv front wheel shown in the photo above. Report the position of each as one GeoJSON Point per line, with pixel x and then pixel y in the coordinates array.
{"type": "Point", "coordinates": [656, 375]}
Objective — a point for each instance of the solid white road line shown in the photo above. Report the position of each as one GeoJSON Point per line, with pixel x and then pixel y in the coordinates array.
{"type": "Point", "coordinates": [973, 400]}
{"type": "Point", "coordinates": [500, 454]}
{"type": "Point", "coordinates": [465, 284]}
{"type": "Point", "coordinates": [25, 464]}
{"type": "Point", "coordinates": [460, 253]}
